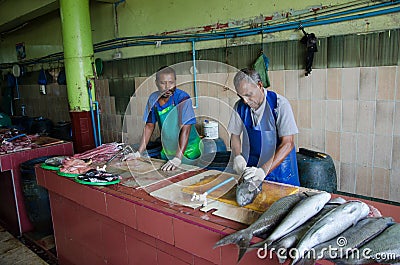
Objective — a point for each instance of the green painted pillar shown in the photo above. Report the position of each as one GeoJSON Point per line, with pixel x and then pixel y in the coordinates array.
{"type": "Point", "coordinates": [78, 58]}
{"type": "Point", "coordinates": [78, 51]}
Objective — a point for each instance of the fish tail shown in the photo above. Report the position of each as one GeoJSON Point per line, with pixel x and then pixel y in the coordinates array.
{"type": "Point", "coordinates": [241, 238]}
{"type": "Point", "coordinates": [260, 244]}
{"type": "Point", "coordinates": [242, 251]}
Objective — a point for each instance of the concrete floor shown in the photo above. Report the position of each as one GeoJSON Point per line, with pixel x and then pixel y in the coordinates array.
{"type": "Point", "coordinates": [12, 251]}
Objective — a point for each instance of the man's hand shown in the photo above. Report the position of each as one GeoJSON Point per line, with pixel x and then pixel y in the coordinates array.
{"type": "Point", "coordinates": [171, 164]}
{"type": "Point", "coordinates": [131, 156]}
{"type": "Point", "coordinates": [239, 164]}
{"type": "Point", "coordinates": [254, 175]}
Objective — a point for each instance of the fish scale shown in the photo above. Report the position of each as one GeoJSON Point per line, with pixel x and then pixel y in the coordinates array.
{"type": "Point", "coordinates": [387, 243]}
{"type": "Point", "coordinates": [329, 227]}
{"type": "Point", "coordinates": [265, 223]}
{"type": "Point", "coordinates": [355, 236]}
{"type": "Point", "coordinates": [291, 239]}
{"type": "Point", "coordinates": [300, 214]}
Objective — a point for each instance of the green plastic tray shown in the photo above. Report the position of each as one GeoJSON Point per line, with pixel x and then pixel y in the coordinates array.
{"type": "Point", "coordinates": [44, 166]}
{"type": "Point", "coordinates": [68, 175]}
{"type": "Point", "coordinates": [96, 183]}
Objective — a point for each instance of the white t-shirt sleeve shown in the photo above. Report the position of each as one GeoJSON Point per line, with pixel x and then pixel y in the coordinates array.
{"type": "Point", "coordinates": [285, 122]}
{"type": "Point", "coordinates": [235, 125]}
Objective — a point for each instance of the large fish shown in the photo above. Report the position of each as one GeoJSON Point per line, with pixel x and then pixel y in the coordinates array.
{"type": "Point", "coordinates": [303, 211]}
{"type": "Point", "coordinates": [246, 192]}
{"type": "Point", "coordinates": [290, 240]}
{"type": "Point", "coordinates": [351, 239]}
{"type": "Point", "coordinates": [265, 223]}
{"type": "Point", "coordinates": [332, 224]}
{"type": "Point", "coordinates": [384, 249]}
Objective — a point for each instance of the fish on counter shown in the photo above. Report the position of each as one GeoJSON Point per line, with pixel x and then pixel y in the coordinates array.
{"type": "Point", "coordinates": [383, 249]}
{"type": "Point", "coordinates": [300, 214]}
{"type": "Point", "coordinates": [11, 140]}
{"type": "Point", "coordinates": [100, 154]}
{"type": "Point", "coordinates": [353, 238]}
{"type": "Point", "coordinates": [75, 166]}
{"type": "Point", "coordinates": [246, 192]}
{"type": "Point", "coordinates": [332, 224]}
{"type": "Point", "coordinates": [264, 224]}
{"type": "Point", "coordinates": [292, 238]}
{"type": "Point", "coordinates": [55, 161]}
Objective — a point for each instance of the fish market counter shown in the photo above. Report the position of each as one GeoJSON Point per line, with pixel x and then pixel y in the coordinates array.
{"type": "Point", "coordinates": [13, 214]}
{"type": "Point", "coordinates": [122, 225]}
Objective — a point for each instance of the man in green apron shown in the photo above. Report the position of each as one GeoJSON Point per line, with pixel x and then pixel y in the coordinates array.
{"type": "Point", "coordinates": [172, 109]}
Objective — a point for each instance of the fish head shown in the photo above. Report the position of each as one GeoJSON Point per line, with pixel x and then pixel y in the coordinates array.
{"type": "Point", "coordinates": [364, 210]}
{"type": "Point", "coordinates": [357, 209]}
{"type": "Point", "coordinates": [245, 193]}
{"type": "Point", "coordinates": [319, 200]}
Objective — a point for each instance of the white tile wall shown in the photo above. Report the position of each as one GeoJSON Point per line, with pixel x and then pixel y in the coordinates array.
{"type": "Point", "coordinates": [352, 114]}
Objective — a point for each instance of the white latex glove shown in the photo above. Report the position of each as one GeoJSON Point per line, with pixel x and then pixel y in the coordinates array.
{"type": "Point", "coordinates": [131, 156]}
{"type": "Point", "coordinates": [239, 164]}
{"type": "Point", "coordinates": [171, 164]}
{"type": "Point", "coordinates": [254, 175]}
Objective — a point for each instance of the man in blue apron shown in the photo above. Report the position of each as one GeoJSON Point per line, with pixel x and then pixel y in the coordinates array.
{"type": "Point", "coordinates": [172, 109]}
{"type": "Point", "coordinates": [267, 122]}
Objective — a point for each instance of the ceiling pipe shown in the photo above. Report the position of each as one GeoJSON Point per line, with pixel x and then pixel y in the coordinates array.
{"type": "Point", "coordinates": [231, 33]}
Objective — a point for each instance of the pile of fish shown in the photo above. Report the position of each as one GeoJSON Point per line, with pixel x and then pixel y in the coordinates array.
{"type": "Point", "coordinates": [101, 153]}
{"type": "Point", "coordinates": [82, 163]}
{"type": "Point", "coordinates": [309, 227]}
{"type": "Point", "coordinates": [76, 166]}
{"type": "Point", "coordinates": [14, 141]}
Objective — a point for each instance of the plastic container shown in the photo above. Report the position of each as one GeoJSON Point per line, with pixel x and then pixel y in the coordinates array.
{"type": "Point", "coordinates": [210, 129]}
{"type": "Point", "coordinates": [36, 197]}
{"type": "Point", "coordinates": [316, 170]}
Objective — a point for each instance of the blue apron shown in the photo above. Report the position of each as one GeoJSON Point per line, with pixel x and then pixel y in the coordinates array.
{"type": "Point", "coordinates": [168, 121]}
{"type": "Point", "coordinates": [260, 142]}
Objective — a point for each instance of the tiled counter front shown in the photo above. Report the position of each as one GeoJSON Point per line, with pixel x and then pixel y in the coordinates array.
{"type": "Point", "coordinates": [120, 225]}
{"type": "Point", "coordinates": [12, 207]}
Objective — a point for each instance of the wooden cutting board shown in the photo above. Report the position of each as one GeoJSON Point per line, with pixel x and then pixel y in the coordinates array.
{"type": "Point", "coordinates": [270, 193]}
{"type": "Point", "coordinates": [223, 200]}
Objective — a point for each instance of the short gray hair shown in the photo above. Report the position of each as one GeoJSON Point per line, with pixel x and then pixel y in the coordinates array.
{"type": "Point", "coordinates": [250, 75]}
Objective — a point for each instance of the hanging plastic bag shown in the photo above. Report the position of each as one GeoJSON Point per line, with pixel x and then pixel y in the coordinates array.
{"type": "Point", "coordinates": [62, 79]}
{"type": "Point", "coordinates": [261, 66]}
{"type": "Point", "coordinates": [42, 77]}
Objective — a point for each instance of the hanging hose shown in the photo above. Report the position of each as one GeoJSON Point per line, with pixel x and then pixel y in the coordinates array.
{"type": "Point", "coordinates": [98, 120]}
{"type": "Point", "coordinates": [194, 74]}
{"type": "Point", "coordinates": [89, 85]}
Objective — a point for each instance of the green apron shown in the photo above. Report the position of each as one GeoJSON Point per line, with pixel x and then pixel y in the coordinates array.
{"type": "Point", "coordinates": [168, 121]}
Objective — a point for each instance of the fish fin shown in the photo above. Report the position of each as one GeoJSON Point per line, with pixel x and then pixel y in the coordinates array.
{"type": "Point", "coordinates": [235, 238]}
{"type": "Point", "coordinates": [241, 239]}
{"type": "Point", "coordinates": [242, 251]}
{"type": "Point", "coordinates": [282, 257]}
{"type": "Point", "coordinates": [281, 260]}
{"type": "Point", "coordinates": [260, 244]}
